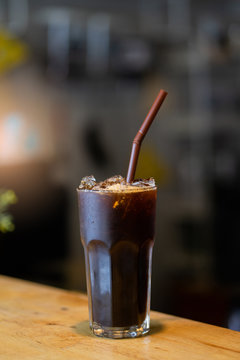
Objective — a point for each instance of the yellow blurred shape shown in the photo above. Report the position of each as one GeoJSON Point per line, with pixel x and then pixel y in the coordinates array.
{"type": "Point", "coordinates": [150, 164]}
{"type": "Point", "coordinates": [8, 197]}
{"type": "Point", "coordinates": [115, 204]}
{"type": "Point", "coordinates": [12, 52]}
{"type": "Point", "coordinates": [6, 223]}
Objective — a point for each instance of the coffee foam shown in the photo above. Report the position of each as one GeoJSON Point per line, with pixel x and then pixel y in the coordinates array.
{"type": "Point", "coordinates": [123, 188]}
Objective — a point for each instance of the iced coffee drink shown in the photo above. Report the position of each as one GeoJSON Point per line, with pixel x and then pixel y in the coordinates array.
{"type": "Point", "coordinates": [117, 231]}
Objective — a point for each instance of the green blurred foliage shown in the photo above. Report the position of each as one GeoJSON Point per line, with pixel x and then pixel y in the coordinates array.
{"type": "Point", "coordinates": [7, 198]}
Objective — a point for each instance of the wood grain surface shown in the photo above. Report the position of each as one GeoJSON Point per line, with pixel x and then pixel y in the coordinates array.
{"type": "Point", "coordinates": [40, 322]}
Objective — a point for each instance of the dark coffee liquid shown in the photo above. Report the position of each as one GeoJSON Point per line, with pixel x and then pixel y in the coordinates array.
{"type": "Point", "coordinates": [117, 232]}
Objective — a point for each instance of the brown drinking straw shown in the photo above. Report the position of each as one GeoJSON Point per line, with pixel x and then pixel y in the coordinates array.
{"type": "Point", "coordinates": [141, 134]}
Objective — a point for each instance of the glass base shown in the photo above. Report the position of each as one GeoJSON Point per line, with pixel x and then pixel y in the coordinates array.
{"type": "Point", "coordinates": [120, 332]}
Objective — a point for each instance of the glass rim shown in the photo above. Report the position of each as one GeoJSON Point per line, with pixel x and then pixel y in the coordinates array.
{"type": "Point", "coordinates": [122, 191]}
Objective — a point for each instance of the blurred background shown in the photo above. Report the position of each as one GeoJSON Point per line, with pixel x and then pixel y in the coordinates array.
{"type": "Point", "coordinates": [77, 78]}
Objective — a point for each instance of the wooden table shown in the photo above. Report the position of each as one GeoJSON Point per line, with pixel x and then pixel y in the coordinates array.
{"type": "Point", "coordinates": [40, 322]}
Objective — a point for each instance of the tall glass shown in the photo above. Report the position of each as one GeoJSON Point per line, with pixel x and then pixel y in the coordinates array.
{"type": "Point", "coordinates": [117, 232]}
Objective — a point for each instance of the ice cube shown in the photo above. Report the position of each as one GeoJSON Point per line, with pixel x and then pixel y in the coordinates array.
{"type": "Point", "coordinates": [144, 182]}
{"type": "Point", "coordinates": [117, 179]}
{"type": "Point", "coordinates": [151, 182]}
{"type": "Point", "coordinates": [88, 182]}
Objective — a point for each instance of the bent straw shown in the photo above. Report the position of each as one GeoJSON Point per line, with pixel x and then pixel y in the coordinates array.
{"type": "Point", "coordinates": [141, 134]}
